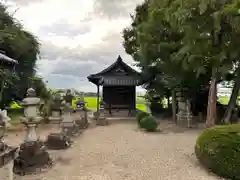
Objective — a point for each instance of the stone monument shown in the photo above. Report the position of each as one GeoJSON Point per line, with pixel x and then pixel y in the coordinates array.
{"type": "Point", "coordinates": [32, 155]}
{"type": "Point", "coordinates": [7, 152]}
{"type": "Point", "coordinates": [81, 118]}
{"type": "Point", "coordinates": [101, 119]}
{"type": "Point", "coordinates": [60, 140]}
{"type": "Point", "coordinates": [69, 127]}
{"type": "Point", "coordinates": [56, 108]}
{"type": "Point", "coordinates": [184, 115]}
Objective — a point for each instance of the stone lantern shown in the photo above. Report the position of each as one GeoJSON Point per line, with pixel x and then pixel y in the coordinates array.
{"type": "Point", "coordinates": [81, 118]}
{"type": "Point", "coordinates": [32, 154]}
{"type": "Point", "coordinates": [56, 108]}
{"type": "Point", "coordinates": [59, 140]}
{"type": "Point", "coordinates": [101, 119]}
{"type": "Point", "coordinates": [69, 127]}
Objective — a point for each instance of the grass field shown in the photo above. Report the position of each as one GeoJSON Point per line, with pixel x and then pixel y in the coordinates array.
{"type": "Point", "coordinates": [92, 103]}
{"type": "Point", "coordinates": [140, 103]}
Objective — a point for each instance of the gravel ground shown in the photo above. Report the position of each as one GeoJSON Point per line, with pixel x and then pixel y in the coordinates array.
{"type": "Point", "coordinates": [121, 152]}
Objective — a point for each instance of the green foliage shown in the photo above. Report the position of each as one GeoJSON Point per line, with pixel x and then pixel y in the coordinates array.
{"type": "Point", "coordinates": [184, 44]}
{"type": "Point", "coordinates": [218, 149]}
{"type": "Point", "coordinates": [22, 46]}
{"type": "Point", "coordinates": [140, 116]}
{"type": "Point", "coordinates": [40, 87]}
{"type": "Point", "coordinates": [149, 123]}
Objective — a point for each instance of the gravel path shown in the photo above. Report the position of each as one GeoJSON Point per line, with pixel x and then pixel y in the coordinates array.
{"type": "Point", "coordinates": [121, 152]}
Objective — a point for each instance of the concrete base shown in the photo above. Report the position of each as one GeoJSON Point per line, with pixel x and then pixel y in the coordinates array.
{"type": "Point", "coordinates": [70, 129]}
{"type": "Point", "coordinates": [186, 120]}
{"type": "Point", "coordinates": [102, 121]}
{"type": "Point", "coordinates": [58, 141]}
{"type": "Point", "coordinates": [82, 123]}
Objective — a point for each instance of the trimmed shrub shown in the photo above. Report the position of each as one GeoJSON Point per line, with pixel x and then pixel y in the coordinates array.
{"type": "Point", "coordinates": [218, 149]}
{"type": "Point", "coordinates": [140, 116]}
{"type": "Point", "coordinates": [149, 123]}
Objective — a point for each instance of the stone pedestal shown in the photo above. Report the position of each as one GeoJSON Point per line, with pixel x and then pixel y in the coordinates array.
{"type": "Point", "coordinates": [58, 141]}
{"type": "Point", "coordinates": [101, 120]}
{"type": "Point", "coordinates": [61, 140]}
{"type": "Point", "coordinates": [81, 118]}
{"type": "Point", "coordinates": [32, 158]}
{"type": "Point", "coordinates": [56, 117]}
{"type": "Point", "coordinates": [69, 127]}
{"type": "Point", "coordinates": [32, 154]}
{"type": "Point", "coordinates": [184, 115]}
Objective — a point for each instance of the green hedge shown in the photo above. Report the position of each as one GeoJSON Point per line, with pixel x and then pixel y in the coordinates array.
{"type": "Point", "coordinates": [140, 116]}
{"type": "Point", "coordinates": [149, 123]}
{"type": "Point", "coordinates": [218, 149]}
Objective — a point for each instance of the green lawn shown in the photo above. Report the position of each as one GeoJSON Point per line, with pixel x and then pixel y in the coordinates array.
{"type": "Point", "coordinates": [223, 100]}
{"type": "Point", "coordinates": [92, 103]}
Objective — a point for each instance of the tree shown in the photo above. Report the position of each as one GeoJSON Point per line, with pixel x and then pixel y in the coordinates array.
{"type": "Point", "coordinates": [183, 41]}
{"type": "Point", "coordinates": [157, 48]}
{"type": "Point", "coordinates": [211, 31]}
{"type": "Point", "coordinates": [21, 45]}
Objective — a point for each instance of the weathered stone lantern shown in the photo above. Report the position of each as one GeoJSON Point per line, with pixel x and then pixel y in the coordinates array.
{"type": "Point", "coordinates": [32, 154]}
{"type": "Point", "coordinates": [69, 127]}
{"type": "Point", "coordinates": [59, 140]}
{"type": "Point", "coordinates": [101, 119]}
{"type": "Point", "coordinates": [81, 118]}
{"type": "Point", "coordinates": [56, 108]}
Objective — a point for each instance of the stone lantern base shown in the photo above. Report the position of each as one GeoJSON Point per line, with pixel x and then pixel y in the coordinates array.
{"type": "Point", "coordinates": [81, 119]}
{"type": "Point", "coordinates": [81, 123]}
{"type": "Point", "coordinates": [102, 121]}
{"type": "Point", "coordinates": [185, 120]}
{"type": "Point", "coordinates": [55, 120]}
{"type": "Point", "coordinates": [56, 117]}
{"type": "Point", "coordinates": [32, 158]}
{"type": "Point", "coordinates": [70, 129]}
{"type": "Point", "coordinates": [58, 141]}
{"type": "Point", "coordinates": [7, 153]}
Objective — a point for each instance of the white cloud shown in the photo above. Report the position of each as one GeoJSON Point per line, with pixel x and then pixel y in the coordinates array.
{"type": "Point", "coordinates": [78, 37]}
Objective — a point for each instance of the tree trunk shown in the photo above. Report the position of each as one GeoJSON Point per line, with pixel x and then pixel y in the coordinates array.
{"type": "Point", "coordinates": [168, 102]}
{"type": "Point", "coordinates": [211, 109]}
{"type": "Point", "coordinates": [2, 87]}
{"type": "Point", "coordinates": [232, 103]}
{"type": "Point", "coordinates": [174, 106]}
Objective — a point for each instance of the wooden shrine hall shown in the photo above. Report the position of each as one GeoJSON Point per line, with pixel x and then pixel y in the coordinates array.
{"type": "Point", "coordinates": [119, 83]}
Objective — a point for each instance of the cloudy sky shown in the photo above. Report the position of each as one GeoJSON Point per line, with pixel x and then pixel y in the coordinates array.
{"type": "Point", "coordinates": [78, 37]}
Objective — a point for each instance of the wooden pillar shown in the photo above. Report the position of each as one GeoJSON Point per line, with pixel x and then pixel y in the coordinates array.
{"type": "Point", "coordinates": [98, 100]}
